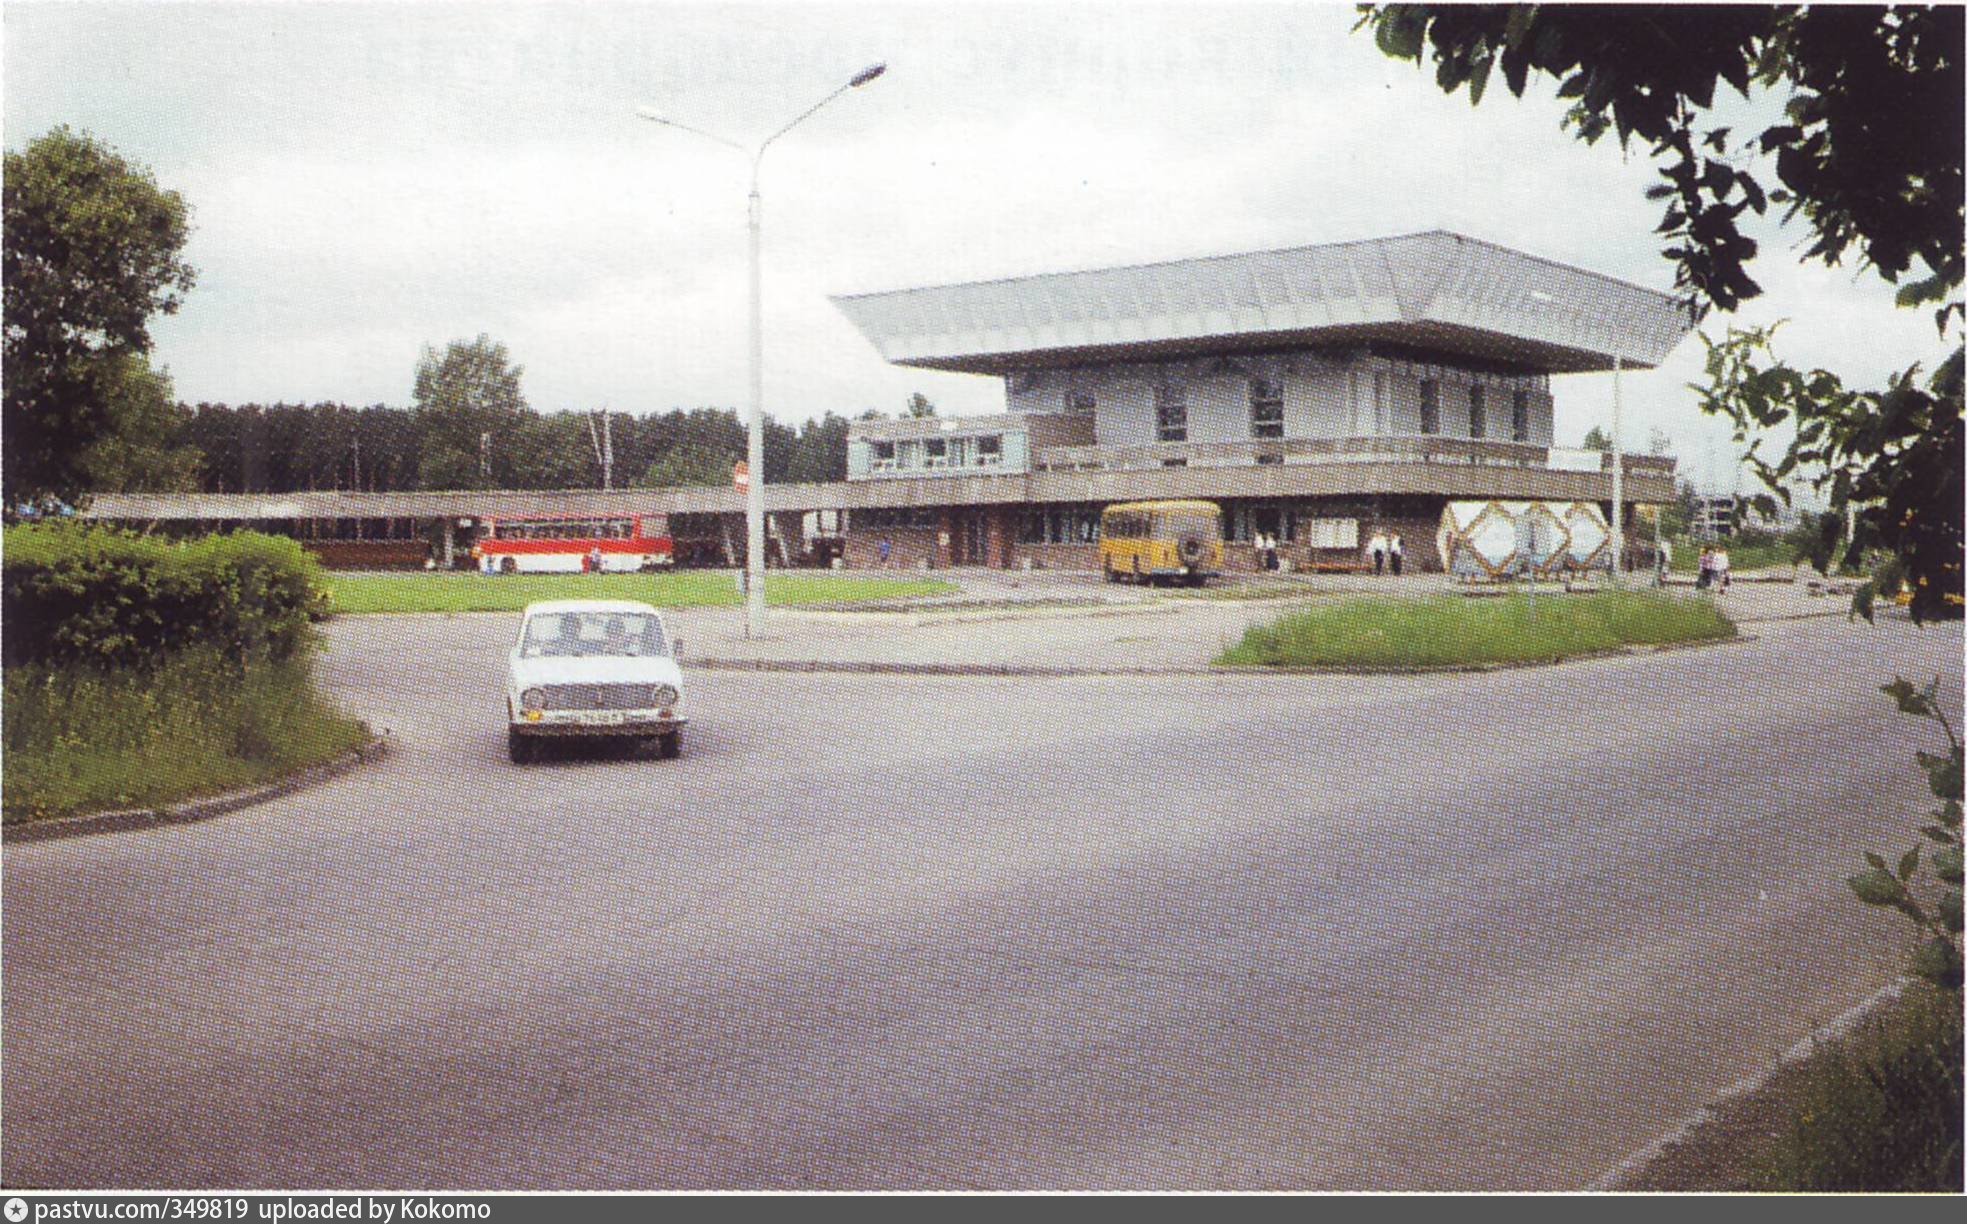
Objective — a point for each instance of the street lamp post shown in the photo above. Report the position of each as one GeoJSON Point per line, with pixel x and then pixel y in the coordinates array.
{"type": "Point", "coordinates": [1618, 473]}
{"type": "Point", "coordinates": [754, 505]}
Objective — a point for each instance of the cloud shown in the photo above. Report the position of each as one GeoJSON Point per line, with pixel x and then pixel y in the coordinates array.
{"type": "Point", "coordinates": [368, 179]}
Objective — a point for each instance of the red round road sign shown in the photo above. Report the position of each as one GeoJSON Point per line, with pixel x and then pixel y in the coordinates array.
{"type": "Point", "coordinates": [741, 476]}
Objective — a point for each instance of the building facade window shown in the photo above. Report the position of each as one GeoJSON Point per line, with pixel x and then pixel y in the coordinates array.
{"type": "Point", "coordinates": [990, 450]}
{"type": "Point", "coordinates": [1519, 417]}
{"type": "Point", "coordinates": [1170, 413]}
{"type": "Point", "coordinates": [1430, 406]}
{"type": "Point", "coordinates": [919, 518]}
{"type": "Point", "coordinates": [1266, 408]}
{"type": "Point", "coordinates": [884, 456]}
{"type": "Point", "coordinates": [936, 452]}
{"type": "Point", "coordinates": [1047, 525]}
{"type": "Point", "coordinates": [1478, 410]}
{"type": "Point", "coordinates": [1243, 522]}
{"type": "Point", "coordinates": [1079, 401]}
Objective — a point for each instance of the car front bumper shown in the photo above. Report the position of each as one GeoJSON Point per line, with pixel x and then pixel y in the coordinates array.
{"type": "Point", "coordinates": [633, 723]}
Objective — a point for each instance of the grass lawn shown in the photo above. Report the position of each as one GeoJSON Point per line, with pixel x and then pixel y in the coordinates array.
{"type": "Point", "coordinates": [1456, 629]}
{"type": "Point", "coordinates": [1741, 557]}
{"type": "Point", "coordinates": [512, 592]}
{"type": "Point", "coordinates": [80, 740]}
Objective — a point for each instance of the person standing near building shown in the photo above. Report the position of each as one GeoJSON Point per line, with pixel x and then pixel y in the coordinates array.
{"type": "Point", "coordinates": [1662, 561]}
{"type": "Point", "coordinates": [885, 550]}
{"type": "Point", "coordinates": [594, 559]}
{"type": "Point", "coordinates": [1721, 567]}
{"type": "Point", "coordinates": [1396, 554]}
{"type": "Point", "coordinates": [1377, 547]}
{"type": "Point", "coordinates": [1705, 578]}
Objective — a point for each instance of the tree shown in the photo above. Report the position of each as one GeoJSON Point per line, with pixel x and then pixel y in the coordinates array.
{"type": "Point", "coordinates": [554, 452]}
{"type": "Point", "coordinates": [1596, 439]}
{"type": "Point", "coordinates": [1677, 519]}
{"type": "Point", "coordinates": [820, 453]}
{"type": "Point", "coordinates": [390, 449]}
{"type": "Point", "coordinates": [91, 253]}
{"type": "Point", "coordinates": [1868, 155]}
{"type": "Point", "coordinates": [690, 465]}
{"type": "Point", "coordinates": [920, 405]}
{"type": "Point", "coordinates": [136, 452]}
{"type": "Point", "coordinates": [468, 409]}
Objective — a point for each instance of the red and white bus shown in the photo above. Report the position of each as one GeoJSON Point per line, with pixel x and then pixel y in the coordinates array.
{"type": "Point", "coordinates": [568, 544]}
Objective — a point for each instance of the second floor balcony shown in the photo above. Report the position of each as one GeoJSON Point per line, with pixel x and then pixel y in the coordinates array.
{"type": "Point", "coordinates": [1379, 449]}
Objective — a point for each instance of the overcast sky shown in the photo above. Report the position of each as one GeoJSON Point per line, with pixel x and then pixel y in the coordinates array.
{"type": "Point", "coordinates": [369, 179]}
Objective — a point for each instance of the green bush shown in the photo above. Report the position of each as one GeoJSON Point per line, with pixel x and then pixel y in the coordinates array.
{"type": "Point", "coordinates": [82, 738]}
{"type": "Point", "coordinates": [72, 593]}
{"type": "Point", "coordinates": [1930, 899]}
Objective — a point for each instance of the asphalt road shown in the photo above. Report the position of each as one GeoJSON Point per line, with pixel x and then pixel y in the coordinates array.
{"type": "Point", "coordinates": [1461, 931]}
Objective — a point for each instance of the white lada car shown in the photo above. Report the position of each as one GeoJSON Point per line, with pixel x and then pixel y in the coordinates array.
{"type": "Point", "coordinates": [593, 667]}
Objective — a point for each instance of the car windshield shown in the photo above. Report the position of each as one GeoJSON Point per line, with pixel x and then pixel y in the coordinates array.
{"type": "Point", "coordinates": [598, 634]}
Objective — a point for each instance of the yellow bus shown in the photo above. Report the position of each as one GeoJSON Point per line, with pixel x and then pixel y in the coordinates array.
{"type": "Point", "coordinates": [1157, 541]}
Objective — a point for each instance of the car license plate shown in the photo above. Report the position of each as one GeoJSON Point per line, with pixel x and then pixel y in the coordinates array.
{"type": "Point", "coordinates": [604, 718]}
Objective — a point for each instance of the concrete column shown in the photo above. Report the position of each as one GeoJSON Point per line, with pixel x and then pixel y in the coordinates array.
{"type": "Point", "coordinates": [997, 533]}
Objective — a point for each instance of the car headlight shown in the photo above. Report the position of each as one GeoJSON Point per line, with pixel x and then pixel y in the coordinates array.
{"type": "Point", "coordinates": [666, 697]}
{"type": "Point", "coordinates": [532, 699]}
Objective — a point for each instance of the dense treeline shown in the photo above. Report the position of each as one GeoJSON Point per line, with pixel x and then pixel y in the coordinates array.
{"type": "Point", "coordinates": [284, 448]}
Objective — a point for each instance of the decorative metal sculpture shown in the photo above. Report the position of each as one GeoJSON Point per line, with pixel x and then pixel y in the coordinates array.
{"type": "Point", "coordinates": [1491, 540]}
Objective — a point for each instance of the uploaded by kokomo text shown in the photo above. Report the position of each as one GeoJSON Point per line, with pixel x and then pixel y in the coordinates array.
{"type": "Point", "coordinates": [370, 1209]}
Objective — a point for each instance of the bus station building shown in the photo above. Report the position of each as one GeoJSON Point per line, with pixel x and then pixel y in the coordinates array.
{"type": "Point", "coordinates": [1318, 394]}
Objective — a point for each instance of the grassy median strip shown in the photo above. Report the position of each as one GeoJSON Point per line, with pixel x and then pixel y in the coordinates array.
{"type": "Point", "coordinates": [512, 592]}
{"type": "Point", "coordinates": [81, 739]}
{"type": "Point", "coordinates": [1447, 630]}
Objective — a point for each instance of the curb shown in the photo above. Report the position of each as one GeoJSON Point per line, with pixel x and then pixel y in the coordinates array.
{"type": "Point", "coordinates": [1794, 616]}
{"type": "Point", "coordinates": [192, 810]}
{"type": "Point", "coordinates": [845, 667]}
{"type": "Point", "coordinates": [930, 617]}
{"type": "Point", "coordinates": [1702, 1127]}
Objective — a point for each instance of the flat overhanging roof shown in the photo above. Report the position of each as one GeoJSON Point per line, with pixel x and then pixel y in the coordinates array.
{"type": "Point", "coordinates": [1437, 291]}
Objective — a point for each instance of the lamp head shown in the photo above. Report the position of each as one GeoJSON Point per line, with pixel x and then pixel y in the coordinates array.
{"type": "Point", "coordinates": [867, 74]}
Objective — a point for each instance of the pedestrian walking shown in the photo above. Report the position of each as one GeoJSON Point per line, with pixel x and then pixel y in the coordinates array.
{"type": "Point", "coordinates": [1721, 568]}
{"type": "Point", "coordinates": [1662, 561]}
{"type": "Point", "coordinates": [1377, 546]}
{"type": "Point", "coordinates": [1396, 554]}
{"type": "Point", "coordinates": [594, 559]}
{"type": "Point", "coordinates": [886, 550]}
{"type": "Point", "coordinates": [1705, 579]}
